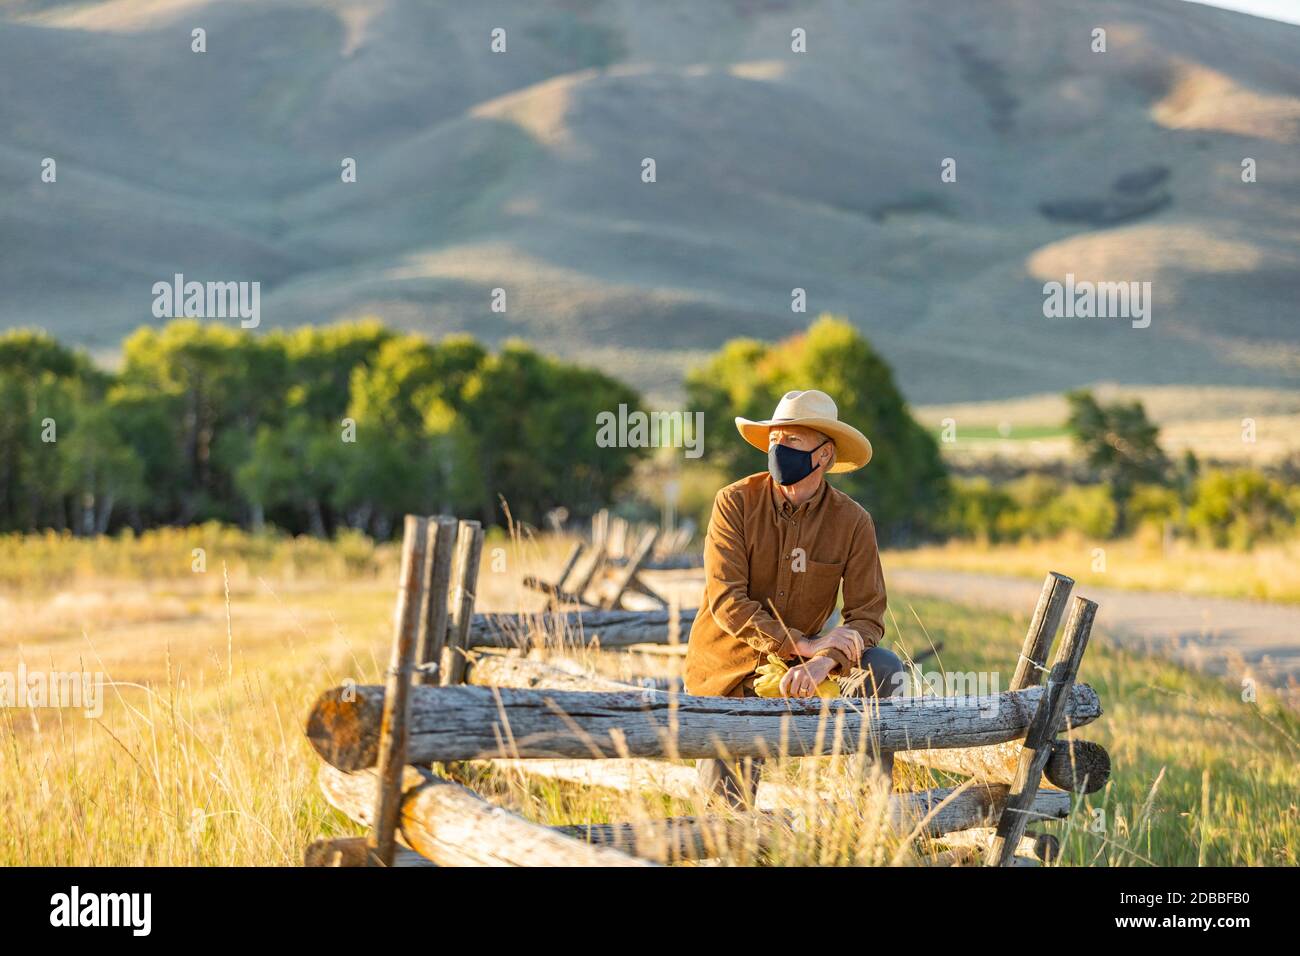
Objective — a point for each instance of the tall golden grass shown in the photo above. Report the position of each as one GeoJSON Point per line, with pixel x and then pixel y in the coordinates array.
{"type": "Point", "coordinates": [1144, 562]}
{"type": "Point", "coordinates": [200, 759]}
{"type": "Point", "coordinates": [60, 559]}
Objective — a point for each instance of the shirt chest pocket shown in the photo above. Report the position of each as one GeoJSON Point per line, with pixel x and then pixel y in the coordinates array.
{"type": "Point", "coordinates": [819, 584]}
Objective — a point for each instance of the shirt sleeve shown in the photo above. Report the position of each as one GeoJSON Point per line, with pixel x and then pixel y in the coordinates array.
{"type": "Point", "coordinates": [726, 572]}
{"type": "Point", "coordinates": [864, 586]}
{"type": "Point", "coordinates": [842, 664]}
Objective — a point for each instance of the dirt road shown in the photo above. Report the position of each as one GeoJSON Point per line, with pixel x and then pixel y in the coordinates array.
{"type": "Point", "coordinates": [1234, 638]}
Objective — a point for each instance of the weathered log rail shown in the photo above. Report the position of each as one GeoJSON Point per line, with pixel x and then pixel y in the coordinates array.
{"type": "Point", "coordinates": [475, 723]}
{"type": "Point", "coordinates": [538, 719]}
{"type": "Point", "coordinates": [608, 628]}
{"type": "Point", "coordinates": [451, 825]}
{"type": "Point", "coordinates": [976, 806]}
{"type": "Point", "coordinates": [1079, 766]}
{"type": "Point", "coordinates": [435, 814]}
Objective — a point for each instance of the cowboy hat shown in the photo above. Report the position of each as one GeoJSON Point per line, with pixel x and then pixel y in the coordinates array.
{"type": "Point", "coordinates": [816, 410]}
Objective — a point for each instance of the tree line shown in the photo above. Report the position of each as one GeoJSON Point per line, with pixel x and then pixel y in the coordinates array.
{"type": "Point", "coordinates": [312, 429]}
{"type": "Point", "coordinates": [352, 425]}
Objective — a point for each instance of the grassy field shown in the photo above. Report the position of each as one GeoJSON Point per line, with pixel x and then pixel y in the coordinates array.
{"type": "Point", "coordinates": [1268, 572]}
{"type": "Point", "coordinates": [199, 757]}
{"type": "Point", "coordinates": [1205, 420]}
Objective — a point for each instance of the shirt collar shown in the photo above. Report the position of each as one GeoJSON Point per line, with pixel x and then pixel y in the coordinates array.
{"type": "Point", "coordinates": [783, 507]}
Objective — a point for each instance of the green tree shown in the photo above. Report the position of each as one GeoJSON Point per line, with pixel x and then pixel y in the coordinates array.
{"type": "Point", "coordinates": [100, 472]}
{"type": "Point", "coordinates": [1120, 447]}
{"type": "Point", "coordinates": [409, 454]}
{"type": "Point", "coordinates": [321, 360]}
{"type": "Point", "coordinates": [41, 385]}
{"type": "Point", "coordinates": [531, 429]}
{"type": "Point", "coordinates": [32, 351]}
{"type": "Point", "coordinates": [905, 486]}
{"type": "Point", "coordinates": [288, 470]}
{"type": "Point", "coordinates": [211, 387]}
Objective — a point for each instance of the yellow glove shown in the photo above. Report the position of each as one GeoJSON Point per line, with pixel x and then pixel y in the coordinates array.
{"type": "Point", "coordinates": [769, 677]}
{"type": "Point", "coordinates": [769, 680]}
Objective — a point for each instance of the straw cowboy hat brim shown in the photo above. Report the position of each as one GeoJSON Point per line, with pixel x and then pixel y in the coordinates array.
{"type": "Point", "coordinates": [816, 410]}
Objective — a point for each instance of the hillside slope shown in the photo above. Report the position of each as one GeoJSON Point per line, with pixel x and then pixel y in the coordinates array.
{"type": "Point", "coordinates": [775, 170]}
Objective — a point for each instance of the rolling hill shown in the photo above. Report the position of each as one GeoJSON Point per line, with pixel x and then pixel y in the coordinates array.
{"type": "Point", "coordinates": [775, 170]}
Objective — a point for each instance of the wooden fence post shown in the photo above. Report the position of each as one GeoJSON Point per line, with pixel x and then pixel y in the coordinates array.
{"type": "Point", "coordinates": [556, 594]}
{"type": "Point", "coordinates": [469, 548]}
{"type": "Point", "coordinates": [434, 612]}
{"type": "Point", "coordinates": [393, 726]}
{"type": "Point", "coordinates": [570, 563]}
{"type": "Point", "coordinates": [589, 573]}
{"type": "Point", "coordinates": [618, 534]}
{"type": "Point", "coordinates": [1043, 729]}
{"type": "Point", "coordinates": [1042, 630]}
{"type": "Point", "coordinates": [627, 574]}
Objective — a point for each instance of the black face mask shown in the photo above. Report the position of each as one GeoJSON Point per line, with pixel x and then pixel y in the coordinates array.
{"type": "Point", "coordinates": [789, 466]}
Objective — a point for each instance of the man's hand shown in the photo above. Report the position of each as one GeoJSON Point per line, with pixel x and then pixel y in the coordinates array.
{"type": "Point", "coordinates": [802, 680]}
{"type": "Point", "coordinates": [844, 639]}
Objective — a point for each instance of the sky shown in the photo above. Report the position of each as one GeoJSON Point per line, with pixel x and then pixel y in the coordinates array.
{"type": "Point", "coordinates": [1288, 10]}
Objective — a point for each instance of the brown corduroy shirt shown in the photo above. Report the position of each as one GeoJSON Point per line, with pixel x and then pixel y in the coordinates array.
{"type": "Point", "coordinates": [772, 575]}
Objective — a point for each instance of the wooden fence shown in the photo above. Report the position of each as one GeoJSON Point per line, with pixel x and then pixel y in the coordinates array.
{"type": "Point", "coordinates": [536, 717]}
{"type": "Point", "coordinates": [624, 550]}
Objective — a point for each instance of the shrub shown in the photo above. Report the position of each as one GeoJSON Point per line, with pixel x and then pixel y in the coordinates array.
{"type": "Point", "coordinates": [1035, 506]}
{"type": "Point", "coordinates": [1088, 509]}
{"type": "Point", "coordinates": [975, 509]}
{"type": "Point", "coordinates": [1238, 508]}
{"type": "Point", "coordinates": [1154, 505]}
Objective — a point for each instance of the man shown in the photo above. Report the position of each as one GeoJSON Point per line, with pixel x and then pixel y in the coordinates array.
{"type": "Point", "coordinates": [778, 546]}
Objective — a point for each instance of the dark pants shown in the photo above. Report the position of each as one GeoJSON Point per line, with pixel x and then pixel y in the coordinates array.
{"type": "Point", "coordinates": [737, 781]}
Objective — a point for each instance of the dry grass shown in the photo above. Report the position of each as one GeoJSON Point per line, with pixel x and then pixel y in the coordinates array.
{"type": "Point", "coordinates": [1206, 420]}
{"type": "Point", "coordinates": [181, 558]}
{"type": "Point", "coordinates": [200, 759]}
{"type": "Point", "coordinates": [1268, 572]}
